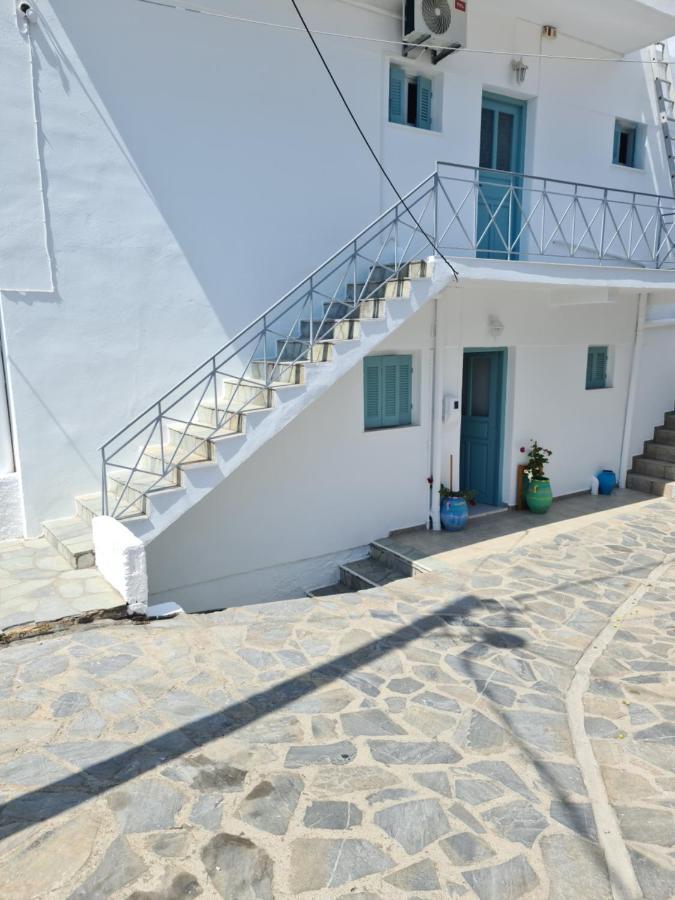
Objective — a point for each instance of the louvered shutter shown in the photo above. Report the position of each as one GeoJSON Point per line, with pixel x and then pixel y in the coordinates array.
{"type": "Point", "coordinates": [596, 368]}
{"type": "Point", "coordinates": [372, 380]}
{"type": "Point", "coordinates": [424, 103]}
{"type": "Point", "coordinates": [405, 390]}
{"type": "Point", "coordinates": [617, 143]}
{"type": "Point", "coordinates": [390, 409]}
{"type": "Point", "coordinates": [397, 82]}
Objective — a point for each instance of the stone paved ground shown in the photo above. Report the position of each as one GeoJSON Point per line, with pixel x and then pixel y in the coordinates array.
{"type": "Point", "coordinates": [406, 742]}
{"type": "Point", "coordinates": [37, 587]}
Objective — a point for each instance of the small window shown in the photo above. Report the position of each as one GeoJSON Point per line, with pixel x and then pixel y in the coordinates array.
{"type": "Point", "coordinates": [626, 144]}
{"type": "Point", "coordinates": [596, 368]}
{"type": "Point", "coordinates": [409, 99]}
{"type": "Point", "coordinates": [387, 391]}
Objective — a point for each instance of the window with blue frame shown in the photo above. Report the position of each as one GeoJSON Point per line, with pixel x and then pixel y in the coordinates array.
{"type": "Point", "coordinates": [410, 99]}
{"type": "Point", "coordinates": [596, 368]}
{"type": "Point", "coordinates": [387, 391]}
{"type": "Point", "coordinates": [626, 144]}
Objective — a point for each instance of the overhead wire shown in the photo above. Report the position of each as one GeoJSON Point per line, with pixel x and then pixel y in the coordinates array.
{"type": "Point", "coordinates": [428, 45]}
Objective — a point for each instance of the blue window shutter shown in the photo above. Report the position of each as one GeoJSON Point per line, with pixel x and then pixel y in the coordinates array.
{"type": "Point", "coordinates": [372, 390]}
{"type": "Point", "coordinates": [405, 390]}
{"type": "Point", "coordinates": [596, 368]}
{"type": "Point", "coordinates": [630, 152]}
{"type": "Point", "coordinates": [617, 141]}
{"type": "Point", "coordinates": [390, 398]}
{"type": "Point", "coordinates": [424, 103]}
{"type": "Point", "coordinates": [397, 83]}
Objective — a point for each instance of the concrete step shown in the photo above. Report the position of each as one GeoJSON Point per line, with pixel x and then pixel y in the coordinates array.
{"type": "Point", "coordinates": [195, 437]}
{"type": "Point", "coordinates": [390, 290]}
{"type": "Point", "coordinates": [646, 483]}
{"type": "Point", "coordinates": [663, 435]}
{"type": "Point", "coordinates": [331, 590]}
{"type": "Point", "coordinates": [328, 329]}
{"type": "Point", "coordinates": [669, 420]}
{"type": "Point", "coordinates": [72, 539]}
{"type": "Point", "coordinates": [655, 468]}
{"type": "Point", "coordinates": [226, 419]}
{"type": "Point", "coordinates": [666, 452]}
{"type": "Point", "coordinates": [280, 373]}
{"type": "Point", "coordinates": [131, 487]}
{"type": "Point", "coordinates": [155, 459]}
{"type": "Point", "coordinates": [367, 309]}
{"type": "Point", "coordinates": [89, 505]}
{"type": "Point", "coordinates": [293, 351]}
{"type": "Point", "coordinates": [392, 560]}
{"type": "Point", "coordinates": [367, 573]}
{"type": "Point", "coordinates": [246, 394]}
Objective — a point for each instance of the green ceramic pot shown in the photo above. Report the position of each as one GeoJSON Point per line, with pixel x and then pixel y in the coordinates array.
{"type": "Point", "coordinates": [539, 496]}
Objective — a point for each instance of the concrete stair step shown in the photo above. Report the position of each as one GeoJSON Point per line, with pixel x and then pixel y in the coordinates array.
{"type": "Point", "coordinates": [647, 484]}
{"type": "Point", "coordinates": [293, 351]}
{"type": "Point", "coordinates": [89, 505]}
{"type": "Point", "coordinates": [656, 468]}
{"type": "Point", "coordinates": [367, 573]}
{"type": "Point", "coordinates": [246, 394]}
{"type": "Point", "coordinates": [227, 420]}
{"type": "Point", "coordinates": [366, 309]}
{"type": "Point", "coordinates": [669, 420]}
{"type": "Point", "coordinates": [331, 590]}
{"type": "Point", "coordinates": [390, 290]}
{"type": "Point", "coordinates": [328, 329]}
{"type": "Point", "coordinates": [392, 559]}
{"type": "Point", "coordinates": [653, 450]}
{"type": "Point", "coordinates": [154, 461]}
{"type": "Point", "coordinates": [279, 373]}
{"type": "Point", "coordinates": [72, 539]}
{"type": "Point", "coordinates": [663, 435]}
{"type": "Point", "coordinates": [195, 437]}
{"type": "Point", "coordinates": [131, 487]}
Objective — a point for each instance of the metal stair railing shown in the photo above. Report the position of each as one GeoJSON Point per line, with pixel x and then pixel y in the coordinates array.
{"type": "Point", "coordinates": [467, 212]}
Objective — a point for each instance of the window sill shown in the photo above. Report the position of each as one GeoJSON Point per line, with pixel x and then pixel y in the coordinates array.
{"type": "Point", "coordinates": [413, 128]}
{"type": "Point", "coordinates": [390, 428]}
{"type": "Point", "coordinates": [607, 387]}
{"type": "Point", "coordinates": [637, 169]}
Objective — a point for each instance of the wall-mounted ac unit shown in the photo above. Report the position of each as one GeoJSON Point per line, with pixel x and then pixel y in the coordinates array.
{"type": "Point", "coordinates": [438, 22]}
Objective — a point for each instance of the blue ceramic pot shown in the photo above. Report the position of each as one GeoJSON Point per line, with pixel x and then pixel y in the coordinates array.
{"type": "Point", "coordinates": [607, 481]}
{"type": "Point", "coordinates": [454, 513]}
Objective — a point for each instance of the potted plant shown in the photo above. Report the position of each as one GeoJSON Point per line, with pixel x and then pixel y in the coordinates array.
{"type": "Point", "coordinates": [455, 508]}
{"type": "Point", "coordinates": [538, 494]}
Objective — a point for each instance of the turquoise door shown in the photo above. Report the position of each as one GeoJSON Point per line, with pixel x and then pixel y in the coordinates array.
{"type": "Point", "coordinates": [501, 152]}
{"type": "Point", "coordinates": [482, 415]}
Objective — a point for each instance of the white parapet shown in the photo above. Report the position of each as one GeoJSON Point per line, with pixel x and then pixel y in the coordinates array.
{"type": "Point", "coordinates": [120, 558]}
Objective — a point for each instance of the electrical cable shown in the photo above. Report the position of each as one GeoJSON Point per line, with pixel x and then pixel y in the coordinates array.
{"type": "Point", "coordinates": [360, 130]}
{"type": "Point", "coordinates": [169, 4]}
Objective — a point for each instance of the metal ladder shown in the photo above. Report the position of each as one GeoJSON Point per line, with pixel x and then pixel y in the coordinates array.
{"type": "Point", "coordinates": [665, 96]}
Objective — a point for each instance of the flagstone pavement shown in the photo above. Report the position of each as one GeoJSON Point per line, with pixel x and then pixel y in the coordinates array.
{"type": "Point", "coordinates": [412, 741]}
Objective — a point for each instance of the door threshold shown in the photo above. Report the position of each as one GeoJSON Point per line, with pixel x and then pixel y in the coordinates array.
{"type": "Point", "coordinates": [481, 510]}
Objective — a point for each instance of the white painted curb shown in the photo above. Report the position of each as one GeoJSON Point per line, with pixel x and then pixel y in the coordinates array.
{"type": "Point", "coordinates": [120, 558]}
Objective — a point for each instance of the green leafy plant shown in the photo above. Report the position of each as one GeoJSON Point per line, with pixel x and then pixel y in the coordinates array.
{"type": "Point", "coordinates": [469, 496]}
{"type": "Point", "coordinates": [537, 460]}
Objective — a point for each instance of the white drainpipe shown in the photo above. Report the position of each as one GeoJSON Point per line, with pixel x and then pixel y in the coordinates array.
{"type": "Point", "coordinates": [638, 342]}
{"type": "Point", "coordinates": [6, 450]}
{"type": "Point", "coordinates": [436, 421]}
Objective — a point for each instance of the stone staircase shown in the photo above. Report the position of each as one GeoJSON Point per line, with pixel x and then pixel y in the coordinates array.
{"type": "Point", "coordinates": [258, 406]}
{"type": "Point", "coordinates": [382, 566]}
{"type": "Point", "coordinates": [654, 469]}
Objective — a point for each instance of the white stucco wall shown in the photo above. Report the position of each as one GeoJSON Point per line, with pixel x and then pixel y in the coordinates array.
{"type": "Point", "coordinates": [655, 375]}
{"type": "Point", "coordinates": [342, 487]}
{"type": "Point", "coordinates": [11, 507]}
{"type": "Point", "coordinates": [177, 151]}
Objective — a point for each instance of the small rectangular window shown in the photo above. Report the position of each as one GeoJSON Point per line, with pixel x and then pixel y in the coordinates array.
{"type": "Point", "coordinates": [626, 144]}
{"type": "Point", "coordinates": [410, 99]}
{"type": "Point", "coordinates": [387, 391]}
{"type": "Point", "coordinates": [596, 368]}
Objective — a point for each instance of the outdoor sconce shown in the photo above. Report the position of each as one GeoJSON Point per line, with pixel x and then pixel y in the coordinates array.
{"type": "Point", "coordinates": [520, 69]}
{"type": "Point", "coordinates": [495, 326]}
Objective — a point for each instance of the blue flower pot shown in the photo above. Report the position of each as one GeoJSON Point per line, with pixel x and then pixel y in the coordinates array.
{"type": "Point", "coordinates": [607, 482]}
{"type": "Point", "coordinates": [454, 513]}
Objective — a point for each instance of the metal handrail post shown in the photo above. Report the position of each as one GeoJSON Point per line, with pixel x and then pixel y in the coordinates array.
{"type": "Point", "coordinates": [104, 483]}
{"type": "Point", "coordinates": [604, 224]}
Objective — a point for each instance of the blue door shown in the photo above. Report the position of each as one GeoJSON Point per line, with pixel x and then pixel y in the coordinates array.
{"type": "Point", "coordinates": [501, 154]}
{"type": "Point", "coordinates": [482, 421]}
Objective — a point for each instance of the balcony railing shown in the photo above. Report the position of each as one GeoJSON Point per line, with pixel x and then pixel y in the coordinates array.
{"type": "Point", "coordinates": [468, 212]}
{"type": "Point", "coordinates": [505, 215]}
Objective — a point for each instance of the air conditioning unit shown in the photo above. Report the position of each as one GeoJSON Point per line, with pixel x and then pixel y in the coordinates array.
{"type": "Point", "coordinates": [438, 22]}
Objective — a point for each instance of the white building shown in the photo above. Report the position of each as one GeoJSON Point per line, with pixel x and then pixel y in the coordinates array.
{"type": "Point", "coordinates": [166, 176]}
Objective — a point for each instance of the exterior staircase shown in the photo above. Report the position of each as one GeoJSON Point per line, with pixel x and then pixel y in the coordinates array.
{"type": "Point", "coordinates": [178, 460]}
{"type": "Point", "coordinates": [654, 469]}
{"type": "Point", "coordinates": [382, 566]}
